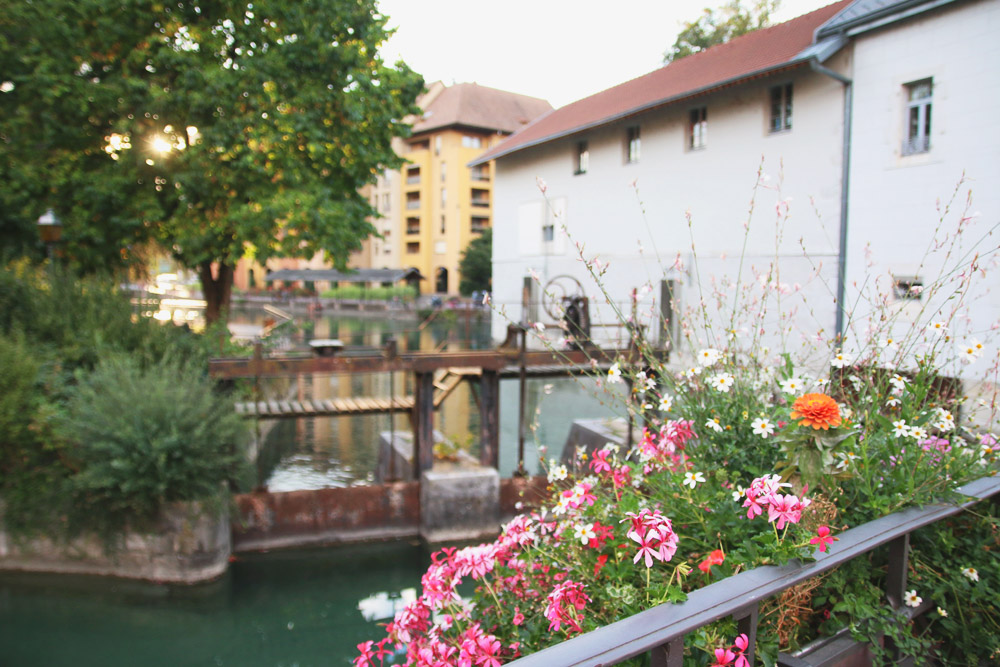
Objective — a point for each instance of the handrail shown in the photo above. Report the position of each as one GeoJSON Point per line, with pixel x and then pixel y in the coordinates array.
{"type": "Point", "coordinates": [664, 626]}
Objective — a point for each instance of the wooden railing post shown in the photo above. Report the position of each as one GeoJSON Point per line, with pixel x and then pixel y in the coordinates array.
{"type": "Point", "coordinates": [746, 623]}
{"type": "Point", "coordinates": [423, 424]}
{"type": "Point", "coordinates": [895, 585]}
{"type": "Point", "coordinates": [489, 419]}
{"type": "Point", "coordinates": [670, 654]}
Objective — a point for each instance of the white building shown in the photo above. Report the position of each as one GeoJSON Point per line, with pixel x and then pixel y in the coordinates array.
{"type": "Point", "coordinates": [670, 161]}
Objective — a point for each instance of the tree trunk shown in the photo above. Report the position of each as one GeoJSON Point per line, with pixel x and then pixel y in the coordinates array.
{"type": "Point", "coordinates": [216, 287]}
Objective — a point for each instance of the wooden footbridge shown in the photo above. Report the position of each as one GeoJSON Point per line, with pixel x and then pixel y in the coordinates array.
{"type": "Point", "coordinates": [435, 374]}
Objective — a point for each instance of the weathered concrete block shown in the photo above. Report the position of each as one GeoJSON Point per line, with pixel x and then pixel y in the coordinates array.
{"type": "Point", "coordinates": [186, 545]}
{"type": "Point", "coordinates": [459, 502]}
{"type": "Point", "coordinates": [395, 456]}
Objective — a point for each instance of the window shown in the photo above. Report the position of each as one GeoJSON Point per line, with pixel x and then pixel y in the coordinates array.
{"type": "Point", "coordinates": [481, 173]}
{"type": "Point", "coordinates": [420, 145]}
{"type": "Point", "coordinates": [480, 224]}
{"type": "Point", "coordinates": [548, 233]}
{"type": "Point", "coordinates": [412, 175]}
{"type": "Point", "coordinates": [437, 145]}
{"type": "Point", "coordinates": [907, 288]}
{"type": "Point", "coordinates": [918, 117]}
{"type": "Point", "coordinates": [480, 197]}
{"type": "Point", "coordinates": [442, 223]}
{"type": "Point", "coordinates": [444, 196]}
{"type": "Point", "coordinates": [413, 225]}
{"type": "Point", "coordinates": [698, 129]}
{"type": "Point", "coordinates": [781, 108]}
{"type": "Point", "coordinates": [412, 201]}
{"type": "Point", "coordinates": [413, 248]}
{"type": "Point", "coordinates": [444, 171]}
{"type": "Point", "coordinates": [385, 203]}
{"type": "Point", "coordinates": [472, 142]}
{"type": "Point", "coordinates": [582, 158]}
{"type": "Point", "coordinates": [632, 144]}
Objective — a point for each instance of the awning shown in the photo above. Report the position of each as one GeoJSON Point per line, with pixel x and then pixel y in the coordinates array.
{"type": "Point", "coordinates": [350, 276]}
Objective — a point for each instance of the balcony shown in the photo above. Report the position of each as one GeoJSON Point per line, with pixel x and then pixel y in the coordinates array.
{"type": "Point", "coordinates": [480, 197]}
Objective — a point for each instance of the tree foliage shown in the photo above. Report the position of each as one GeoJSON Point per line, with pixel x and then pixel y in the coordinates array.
{"type": "Point", "coordinates": [718, 26]}
{"type": "Point", "coordinates": [216, 128]}
{"type": "Point", "coordinates": [476, 265]}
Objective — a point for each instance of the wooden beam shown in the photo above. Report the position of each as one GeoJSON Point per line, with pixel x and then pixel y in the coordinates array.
{"type": "Point", "coordinates": [489, 419]}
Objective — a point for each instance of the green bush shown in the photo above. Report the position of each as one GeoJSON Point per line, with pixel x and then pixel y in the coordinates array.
{"type": "Point", "coordinates": [18, 399]}
{"type": "Point", "coordinates": [145, 435]}
{"type": "Point", "coordinates": [74, 321]}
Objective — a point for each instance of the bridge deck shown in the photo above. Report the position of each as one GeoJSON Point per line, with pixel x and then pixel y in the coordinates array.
{"type": "Point", "coordinates": [360, 405]}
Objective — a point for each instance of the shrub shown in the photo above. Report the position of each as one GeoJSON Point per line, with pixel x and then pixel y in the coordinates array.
{"type": "Point", "coordinates": [143, 436]}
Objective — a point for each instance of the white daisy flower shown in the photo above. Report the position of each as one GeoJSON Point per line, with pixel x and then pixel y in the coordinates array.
{"type": "Point", "coordinates": [839, 360]}
{"type": "Point", "coordinates": [666, 402]}
{"type": "Point", "coordinates": [792, 385]}
{"type": "Point", "coordinates": [937, 328]}
{"type": "Point", "coordinates": [692, 479]}
{"type": "Point", "coordinates": [900, 429]}
{"type": "Point", "coordinates": [708, 357]}
{"type": "Point", "coordinates": [762, 427]}
{"type": "Point", "coordinates": [558, 473]}
{"type": "Point", "coordinates": [722, 382]}
{"type": "Point", "coordinates": [614, 374]}
{"type": "Point", "coordinates": [912, 599]}
{"type": "Point", "coordinates": [714, 425]}
{"type": "Point", "coordinates": [584, 532]}
{"type": "Point", "coordinates": [971, 573]}
{"type": "Point", "coordinates": [918, 433]}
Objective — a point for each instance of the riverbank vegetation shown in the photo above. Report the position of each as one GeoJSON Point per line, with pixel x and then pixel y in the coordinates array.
{"type": "Point", "coordinates": [756, 449]}
{"type": "Point", "coordinates": [105, 417]}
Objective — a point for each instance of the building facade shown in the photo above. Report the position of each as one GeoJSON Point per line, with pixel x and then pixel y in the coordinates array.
{"type": "Point", "coordinates": [431, 209]}
{"type": "Point", "coordinates": [806, 157]}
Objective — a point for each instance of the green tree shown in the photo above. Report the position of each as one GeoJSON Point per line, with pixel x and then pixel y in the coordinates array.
{"type": "Point", "coordinates": [718, 26]}
{"type": "Point", "coordinates": [219, 129]}
{"type": "Point", "coordinates": [476, 265]}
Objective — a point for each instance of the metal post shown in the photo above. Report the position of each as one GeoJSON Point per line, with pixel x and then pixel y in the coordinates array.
{"type": "Point", "coordinates": [522, 401]}
{"type": "Point", "coordinates": [423, 425]}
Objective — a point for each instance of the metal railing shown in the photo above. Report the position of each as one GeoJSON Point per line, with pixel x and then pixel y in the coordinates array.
{"type": "Point", "coordinates": [661, 630]}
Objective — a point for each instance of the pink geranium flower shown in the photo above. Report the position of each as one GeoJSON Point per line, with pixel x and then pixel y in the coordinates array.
{"type": "Point", "coordinates": [823, 538]}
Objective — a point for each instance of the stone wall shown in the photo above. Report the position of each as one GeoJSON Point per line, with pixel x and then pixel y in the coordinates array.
{"type": "Point", "coordinates": [186, 545]}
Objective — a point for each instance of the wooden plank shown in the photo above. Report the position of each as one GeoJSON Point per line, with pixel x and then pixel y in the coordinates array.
{"type": "Point", "coordinates": [274, 408]}
{"type": "Point", "coordinates": [308, 406]}
{"type": "Point", "coordinates": [329, 406]}
{"type": "Point", "coordinates": [296, 407]}
{"type": "Point", "coordinates": [262, 408]}
{"type": "Point", "coordinates": [343, 407]}
{"type": "Point", "coordinates": [241, 409]}
{"type": "Point", "coordinates": [286, 409]}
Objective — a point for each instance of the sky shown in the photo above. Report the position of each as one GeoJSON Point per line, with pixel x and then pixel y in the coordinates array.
{"type": "Point", "coordinates": [558, 50]}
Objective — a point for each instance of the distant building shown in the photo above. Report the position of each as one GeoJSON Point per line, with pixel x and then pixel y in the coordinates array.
{"type": "Point", "coordinates": [436, 205]}
{"type": "Point", "coordinates": [431, 209]}
{"type": "Point", "coordinates": [862, 116]}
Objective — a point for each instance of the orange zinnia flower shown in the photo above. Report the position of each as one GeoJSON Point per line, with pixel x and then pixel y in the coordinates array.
{"type": "Point", "coordinates": [816, 410]}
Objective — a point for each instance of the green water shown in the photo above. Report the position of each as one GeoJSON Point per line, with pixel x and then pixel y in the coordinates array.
{"type": "Point", "coordinates": [285, 609]}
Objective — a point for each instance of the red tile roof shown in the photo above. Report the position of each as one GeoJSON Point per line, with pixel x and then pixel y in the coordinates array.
{"type": "Point", "coordinates": [475, 106]}
{"type": "Point", "coordinates": [747, 56]}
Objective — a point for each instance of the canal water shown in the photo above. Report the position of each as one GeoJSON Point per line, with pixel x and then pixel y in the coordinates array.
{"type": "Point", "coordinates": [283, 609]}
{"type": "Point", "coordinates": [289, 608]}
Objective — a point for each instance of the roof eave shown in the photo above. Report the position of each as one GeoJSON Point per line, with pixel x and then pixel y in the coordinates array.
{"type": "Point", "coordinates": [797, 61]}
{"type": "Point", "coordinates": [875, 20]}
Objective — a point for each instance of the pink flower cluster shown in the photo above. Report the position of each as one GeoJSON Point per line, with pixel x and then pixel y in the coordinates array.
{"type": "Point", "coordinates": [729, 656]}
{"type": "Point", "coordinates": [664, 446]}
{"type": "Point", "coordinates": [781, 508]}
{"type": "Point", "coordinates": [655, 535]}
{"type": "Point", "coordinates": [565, 605]}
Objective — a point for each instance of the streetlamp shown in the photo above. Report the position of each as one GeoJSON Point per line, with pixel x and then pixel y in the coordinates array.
{"type": "Point", "coordinates": [50, 229]}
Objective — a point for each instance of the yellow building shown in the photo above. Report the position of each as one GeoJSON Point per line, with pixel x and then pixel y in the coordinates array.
{"type": "Point", "coordinates": [436, 204]}
{"type": "Point", "coordinates": [432, 208]}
